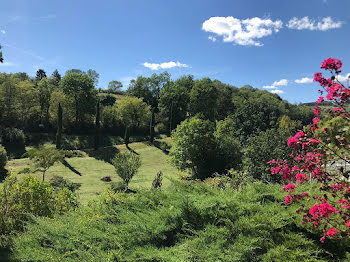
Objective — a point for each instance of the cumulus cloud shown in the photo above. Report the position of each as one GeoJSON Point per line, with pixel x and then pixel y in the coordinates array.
{"type": "Point", "coordinates": [165, 65]}
{"type": "Point", "coordinates": [282, 82]}
{"type": "Point", "coordinates": [3, 31]}
{"type": "Point", "coordinates": [306, 23]}
{"type": "Point", "coordinates": [304, 80]}
{"type": "Point", "coordinates": [342, 78]}
{"type": "Point", "coordinates": [277, 91]}
{"type": "Point", "coordinates": [212, 38]}
{"type": "Point", "coordinates": [242, 32]}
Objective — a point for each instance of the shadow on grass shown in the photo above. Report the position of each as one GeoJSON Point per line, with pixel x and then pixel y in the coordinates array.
{"type": "Point", "coordinates": [131, 150]}
{"type": "Point", "coordinates": [161, 146]}
{"type": "Point", "coordinates": [106, 153]}
{"type": "Point", "coordinates": [66, 164]}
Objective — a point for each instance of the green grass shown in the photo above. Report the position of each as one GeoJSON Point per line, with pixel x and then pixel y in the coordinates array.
{"type": "Point", "coordinates": [89, 169]}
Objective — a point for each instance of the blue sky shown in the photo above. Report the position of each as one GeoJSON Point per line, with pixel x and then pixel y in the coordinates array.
{"type": "Point", "coordinates": [267, 43]}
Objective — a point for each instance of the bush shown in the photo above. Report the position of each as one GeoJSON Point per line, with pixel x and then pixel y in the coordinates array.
{"type": "Point", "coordinates": [117, 187]}
{"type": "Point", "coordinates": [184, 223]}
{"type": "Point", "coordinates": [18, 199]}
{"type": "Point", "coordinates": [157, 182]}
{"type": "Point", "coordinates": [58, 182]}
{"type": "Point", "coordinates": [126, 166]}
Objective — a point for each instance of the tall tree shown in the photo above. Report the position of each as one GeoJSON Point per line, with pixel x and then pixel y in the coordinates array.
{"type": "Point", "coordinates": [133, 112]}
{"type": "Point", "coordinates": [97, 126]}
{"type": "Point", "coordinates": [81, 88]}
{"type": "Point", "coordinates": [40, 74]}
{"type": "Point", "coordinates": [94, 75]}
{"type": "Point", "coordinates": [56, 75]}
{"type": "Point", "coordinates": [203, 99]}
{"type": "Point", "coordinates": [114, 86]}
{"type": "Point", "coordinates": [59, 127]}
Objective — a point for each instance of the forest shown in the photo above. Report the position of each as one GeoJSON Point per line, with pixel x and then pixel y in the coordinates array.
{"type": "Point", "coordinates": [171, 170]}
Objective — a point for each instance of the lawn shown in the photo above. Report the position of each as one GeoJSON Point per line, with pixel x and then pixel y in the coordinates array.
{"type": "Point", "coordinates": [88, 169]}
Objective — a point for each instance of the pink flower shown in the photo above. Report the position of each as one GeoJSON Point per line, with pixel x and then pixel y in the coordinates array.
{"type": "Point", "coordinates": [292, 141]}
{"type": "Point", "coordinates": [301, 178]}
{"type": "Point", "coordinates": [331, 63]}
{"type": "Point", "coordinates": [290, 188]}
{"type": "Point", "coordinates": [322, 239]}
{"type": "Point", "coordinates": [318, 77]}
{"type": "Point", "coordinates": [332, 232]}
{"type": "Point", "coordinates": [316, 120]}
{"type": "Point", "coordinates": [347, 224]}
{"type": "Point", "coordinates": [319, 100]}
{"type": "Point", "coordinates": [288, 199]}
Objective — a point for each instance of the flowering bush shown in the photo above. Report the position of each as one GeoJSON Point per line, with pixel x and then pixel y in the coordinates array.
{"type": "Point", "coordinates": [314, 158]}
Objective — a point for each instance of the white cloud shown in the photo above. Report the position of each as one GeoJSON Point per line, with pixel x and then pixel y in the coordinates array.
{"type": "Point", "coordinates": [277, 91]}
{"type": "Point", "coordinates": [270, 87]}
{"type": "Point", "coordinates": [212, 38]}
{"type": "Point", "coordinates": [309, 24]}
{"type": "Point", "coordinates": [165, 65]}
{"type": "Point", "coordinates": [304, 80]}
{"type": "Point", "coordinates": [342, 78]}
{"type": "Point", "coordinates": [242, 32]}
{"type": "Point", "coordinates": [282, 82]}
{"type": "Point", "coordinates": [3, 31]}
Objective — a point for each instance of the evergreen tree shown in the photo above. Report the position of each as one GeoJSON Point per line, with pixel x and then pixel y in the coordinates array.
{"type": "Point", "coordinates": [97, 126]}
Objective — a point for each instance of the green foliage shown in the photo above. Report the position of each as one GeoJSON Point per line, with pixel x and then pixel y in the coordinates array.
{"type": "Point", "coordinates": [204, 150]}
{"type": "Point", "coordinates": [267, 145]}
{"type": "Point", "coordinates": [45, 157]}
{"type": "Point", "coordinates": [13, 138]}
{"type": "Point", "coordinates": [58, 182]}
{"type": "Point", "coordinates": [97, 127]}
{"type": "Point", "coordinates": [157, 182]}
{"type": "Point", "coordinates": [126, 165]}
{"type": "Point", "coordinates": [81, 88]}
{"type": "Point", "coordinates": [3, 159]}
{"type": "Point", "coordinates": [29, 196]}
{"type": "Point", "coordinates": [194, 147]}
{"type": "Point", "coordinates": [185, 223]}
{"type": "Point", "coordinates": [59, 127]}
{"type": "Point", "coordinates": [114, 86]}
{"type": "Point", "coordinates": [203, 99]}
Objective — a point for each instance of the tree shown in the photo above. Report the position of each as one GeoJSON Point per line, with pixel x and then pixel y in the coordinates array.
{"type": "Point", "coordinates": [126, 166]}
{"type": "Point", "coordinates": [133, 112]}
{"type": "Point", "coordinates": [194, 147]}
{"type": "Point", "coordinates": [40, 74]}
{"type": "Point", "coordinates": [203, 99]}
{"type": "Point", "coordinates": [1, 58]}
{"type": "Point", "coordinates": [173, 102]}
{"type": "Point", "coordinates": [81, 88]}
{"type": "Point", "coordinates": [45, 90]}
{"type": "Point", "coordinates": [56, 75]}
{"type": "Point", "coordinates": [97, 126]}
{"type": "Point", "coordinates": [45, 157]}
{"type": "Point", "coordinates": [59, 127]}
{"type": "Point", "coordinates": [94, 75]}
{"type": "Point", "coordinates": [114, 86]}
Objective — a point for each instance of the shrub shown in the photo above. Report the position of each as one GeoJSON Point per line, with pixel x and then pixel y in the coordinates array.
{"type": "Point", "coordinates": [126, 166]}
{"type": "Point", "coordinates": [58, 182]}
{"type": "Point", "coordinates": [18, 199]}
{"type": "Point", "coordinates": [157, 182]}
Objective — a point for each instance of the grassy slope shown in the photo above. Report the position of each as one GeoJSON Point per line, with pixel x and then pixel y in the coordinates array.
{"type": "Point", "coordinates": [92, 168]}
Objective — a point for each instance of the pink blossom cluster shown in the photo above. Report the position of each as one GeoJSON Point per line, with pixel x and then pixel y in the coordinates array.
{"type": "Point", "coordinates": [331, 210]}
